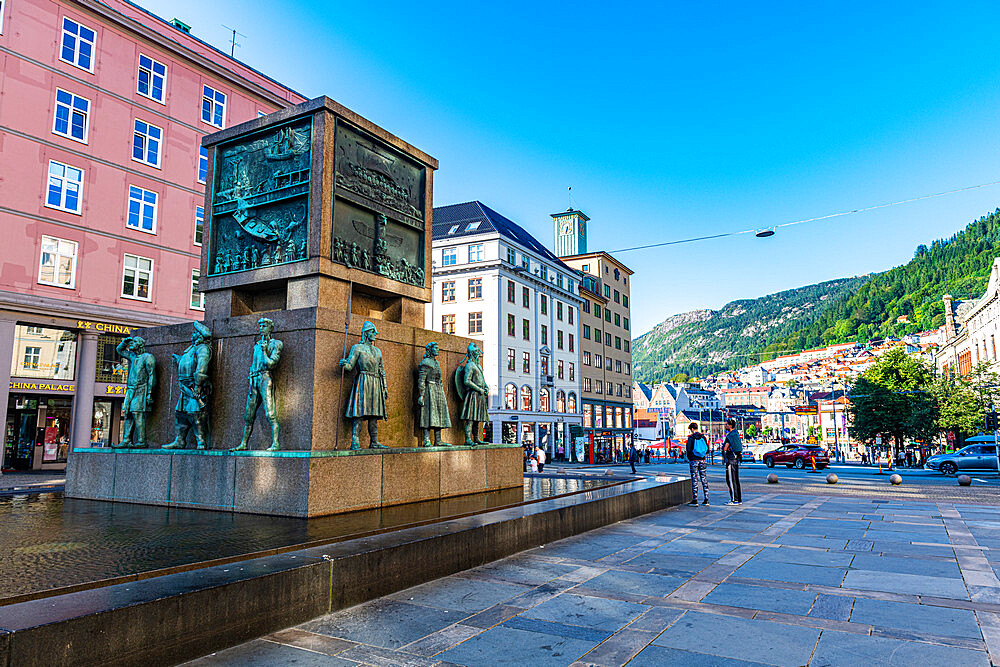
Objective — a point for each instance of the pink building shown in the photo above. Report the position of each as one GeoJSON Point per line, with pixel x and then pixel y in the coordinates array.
{"type": "Point", "coordinates": [101, 203]}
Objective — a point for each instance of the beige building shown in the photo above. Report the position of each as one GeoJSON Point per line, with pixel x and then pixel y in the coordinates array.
{"type": "Point", "coordinates": [605, 348]}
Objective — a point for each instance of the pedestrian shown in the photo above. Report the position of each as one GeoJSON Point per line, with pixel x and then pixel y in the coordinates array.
{"type": "Point", "coordinates": [533, 465]}
{"type": "Point", "coordinates": [540, 457]}
{"type": "Point", "coordinates": [732, 449]}
{"type": "Point", "coordinates": [697, 450]}
{"type": "Point", "coordinates": [633, 454]}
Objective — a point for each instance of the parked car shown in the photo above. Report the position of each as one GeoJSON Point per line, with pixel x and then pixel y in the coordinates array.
{"type": "Point", "coordinates": [797, 456]}
{"type": "Point", "coordinates": [973, 457]}
{"type": "Point", "coordinates": [747, 456]}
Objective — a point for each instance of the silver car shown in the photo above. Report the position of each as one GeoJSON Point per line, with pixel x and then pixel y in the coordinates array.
{"type": "Point", "coordinates": [973, 457]}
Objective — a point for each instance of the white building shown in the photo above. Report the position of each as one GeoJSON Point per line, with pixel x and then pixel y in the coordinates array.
{"type": "Point", "coordinates": [970, 328]}
{"type": "Point", "coordinates": [496, 284]}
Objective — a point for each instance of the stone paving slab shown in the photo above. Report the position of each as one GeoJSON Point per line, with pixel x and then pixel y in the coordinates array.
{"type": "Point", "coordinates": [784, 580]}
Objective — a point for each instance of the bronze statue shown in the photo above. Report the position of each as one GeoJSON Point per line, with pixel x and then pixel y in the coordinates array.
{"type": "Point", "coordinates": [472, 388]}
{"type": "Point", "coordinates": [369, 393]}
{"type": "Point", "coordinates": [430, 396]}
{"type": "Point", "coordinates": [265, 356]}
{"type": "Point", "coordinates": [191, 411]}
{"type": "Point", "coordinates": [139, 395]}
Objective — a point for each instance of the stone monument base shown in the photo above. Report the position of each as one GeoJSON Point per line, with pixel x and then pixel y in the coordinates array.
{"type": "Point", "coordinates": [290, 483]}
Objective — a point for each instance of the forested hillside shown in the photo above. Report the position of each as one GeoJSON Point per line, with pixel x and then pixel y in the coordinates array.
{"type": "Point", "coordinates": [704, 341]}
{"type": "Point", "coordinates": [959, 266]}
{"type": "Point", "coordinates": [837, 311]}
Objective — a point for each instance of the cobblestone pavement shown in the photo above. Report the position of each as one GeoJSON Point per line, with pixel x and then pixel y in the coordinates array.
{"type": "Point", "coordinates": [780, 580]}
{"type": "Point", "coordinates": [11, 480]}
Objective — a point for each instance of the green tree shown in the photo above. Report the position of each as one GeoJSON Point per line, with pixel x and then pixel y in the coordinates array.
{"type": "Point", "coordinates": [751, 431]}
{"type": "Point", "coordinates": [681, 377]}
{"type": "Point", "coordinates": [894, 398]}
{"type": "Point", "coordinates": [964, 401]}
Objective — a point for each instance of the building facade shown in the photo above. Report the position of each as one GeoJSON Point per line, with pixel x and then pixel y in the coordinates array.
{"type": "Point", "coordinates": [496, 284]}
{"type": "Point", "coordinates": [970, 329]}
{"type": "Point", "coordinates": [107, 107]}
{"type": "Point", "coordinates": [605, 338]}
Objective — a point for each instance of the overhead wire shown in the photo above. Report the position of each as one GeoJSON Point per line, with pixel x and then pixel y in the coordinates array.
{"type": "Point", "coordinates": [814, 219]}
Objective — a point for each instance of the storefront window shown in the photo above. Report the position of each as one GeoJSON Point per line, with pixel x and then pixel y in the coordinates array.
{"type": "Point", "coordinates": [618, 417]}
{"type": "Point", "coordinates": [588, 416]}
{"type": "Point", "coordinates": [110, 367]}
{"type": "Point", "coordinates": [56, 437]}
{"type": "Point", "coordinates": [43, 353]}
{"type": "Point", "coordinates": [100, 432]}
{"type": "Point", "coordinates": [598, 416]}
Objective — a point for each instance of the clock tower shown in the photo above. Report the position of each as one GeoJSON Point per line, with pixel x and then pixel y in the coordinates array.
{"type": "Point", "coordinates": [571, 232]}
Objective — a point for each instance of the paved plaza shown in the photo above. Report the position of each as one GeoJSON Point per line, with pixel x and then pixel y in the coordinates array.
{"type": "Point", "coordinates": [781, 580]}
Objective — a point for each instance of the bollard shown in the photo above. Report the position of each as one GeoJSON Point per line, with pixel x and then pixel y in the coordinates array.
{"type": "Point", "coordinates": [831, 478]}
{"type": "Point", "coordinates": [880, 467]}
{"type": "Point", "coordinates": [772, 479]}
{"type": "Point", "coordinates": [813, 461]}
{"type": "Point", "coordinates": [895, 479]}
{"type": "Point", "coordinates": [964, 480]}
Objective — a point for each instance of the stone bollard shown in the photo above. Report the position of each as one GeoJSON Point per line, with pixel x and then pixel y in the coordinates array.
{"type": "Point", "coordinates": [832, 478]}
{"type": "Point", "coordinates": [964, 480]}
{"type": "Point", "coordinates": [895, 479]}
{"type": "Point", "coordinates": [772, 479]}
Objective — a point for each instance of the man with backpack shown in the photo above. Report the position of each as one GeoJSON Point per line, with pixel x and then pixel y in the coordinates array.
{"type": "Point", "coordinates": [732, 450]}
{"type": "Point", "coordinates": [697, 450]}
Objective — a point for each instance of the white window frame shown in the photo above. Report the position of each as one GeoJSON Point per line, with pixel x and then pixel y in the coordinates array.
{"type": "Point", "coordinates": [135, 283]}
{"type": "Point", "coordinates": [152, 143]}
{"type": "Point", "coordinates": [64, 181]}
{"type": "Point", "coordinates": [449, 254]}
{"type": "Point", "coordinates": [72, 107]}
{"type": "Point", "coordinates": [152, 75]}
{"type": "Point", "coordinates": [476, 250]}
{"type": "Point", "coordinates": [32, 357]}
{"type": "Point", "coordinates": [76, 52]}
{"type": "Point", "coordinates": [57, 255]}
{"type": "Point", "coordinates": [202, 157]}
{"type": "Point", "coordinates": [142, 204]}
{"type": "Point", "coordinates": [195, 275]}
{"type": "Point", "coordinates": [1, 16]}
{"type": "Point", "coordinates": [213, 101]}
{"type": "Point", "coordinates": [199, 217]}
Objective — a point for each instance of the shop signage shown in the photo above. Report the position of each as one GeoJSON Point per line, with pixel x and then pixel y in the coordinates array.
{"type": "Point", "coordinates": [43, 386]}
{"type": "Point", "coordinates": [116, 389]}
{"type": "Point", "coordinates": [105, 327]}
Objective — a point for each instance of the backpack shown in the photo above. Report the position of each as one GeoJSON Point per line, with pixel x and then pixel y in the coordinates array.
{"type": "Point", "coordinates": [700, 447]}
{"type": "Point", "coordinates": [735, 444]}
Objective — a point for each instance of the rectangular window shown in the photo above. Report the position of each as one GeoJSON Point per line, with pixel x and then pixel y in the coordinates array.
{"type": "Point", "coordinates": [569, 314]}
{"type": "Point", "coordinates": [526, 363]}
{"type": "Point", "coordinates": [511, 256]}
{"type": "Point", "coordinates": [618, 387]}
{"type": "Point", "coordinates": [545, 272]}
{"type": "Point", "coordinates": [510, 358]}
{"type": "Point", "coordinates": [141, 209]}
{"type": "Point", "coordinates": [559, 310]}
{"type": "Point", "coordinates": [586, 358]}
{"type": "Point", "coordinates": [611, 389]}
{"type": "Point", "coordinates": [525, 329]}
{"type": "Point", "coordinates": [475, 323]}
{"type": "Point", "coordinates": [525, 262]}
{"type": "Point", "coordinates": [151, 79]}
{"type": "Point", "coordinates": [571, 343]}
{"type": "Point", "coordinates": [628, 368]}
{"type": "Point", "coordinates": [625, 323]}
{"type": "Point", "coordinates": [32, 356]}
{"type": "Point", "coordinates": [202, 164]}
{"type": "Point", "coordinates": [449, 257]}
{"type": "Point", "coordinates": [72, 119]}
{"type": "Point", "coordinates": [510, 291]}
{"type": "Point", "coordinates": [586, 306]}
{"type": "Point", "coordinates": [597, 310]}
{"type": "Point", "coordinates": [64, 187]}
{"type": "Point", "coordinates": [597, 335]}
{"type": "Point", "coordinates": [587, 387]}
{"type": "Point", "coordinates": [572, 371]}
{"type": "Point", "coordinates": [617, 296]}
{"type": "Point", "coordinates": [77, 45]}
{"type": "Point", "coordinates": [476, 252]}
{"type": "Point", "coordinates": [559, 340]}
{"type": "Point", "coordinates": [559, 369]}
{"type": "Point", "coordinates": [598, 360]}
{"type": "Point", "coordinates": [197, 298]}
{"type": "Point", "coordinates": [475, 288]}
{"type": "Point", "coordinates": [199, 224]}
{"type": "Point", "coordinates": [525, 297]}
{"type": "Point", "coordinates": [511, 325]}
{"type": "Point", "coordinates": [607, 339]}
{"type": "Point", "coordinates": [545, 365]}
{"type": "Point", "coordinates": [137, 277]}
{"type": "Point", "coordinates": [607, 295]}
{"type": "Point", "coordinates": [545, 335]}
{"type": "Point", "coordinates": [146, 140]}
{"type": "Point", "coordinates": [543, 304]}
{"type": "Point", "coordinates": [607, 363]}
{"type": "Point", "coordinates": [598, 388]}
{"type": "Point", "coordinates": [618, 366]}
{"type": "Point", "coordinates": [559, 280]}
{"type": "Point", "coordinates": [58, 262]}
{"type": "Point", "coordinates": [625, 301]}
{"type": "Point", "coordinates": [607, 315]}
{"type": "Point", "coordinates": [618, 320]}
{"type": "Point", "coordinates": [213, 107]}
{"type": "Point", "coordinates": [626, 346]}
{"type": "Point", "coordinates": [447, 291]}
{"type": "Point", "coordinates": [586, 331]}
{"type": "Point", "coordinates": [448, 324]}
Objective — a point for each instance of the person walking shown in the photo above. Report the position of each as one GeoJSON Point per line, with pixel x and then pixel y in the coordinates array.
{"type": "Point", "coordinates": [633, 454]}
{"type": "Point", "coordinates": [697, 449]}
{"type": "Point", "coordinates": [540, 457]}
{"type": "Point", "coordinates": [732, 450]}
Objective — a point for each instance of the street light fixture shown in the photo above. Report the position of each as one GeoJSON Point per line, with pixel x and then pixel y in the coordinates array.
{"type": "Point", "coordinates": [764, 233]}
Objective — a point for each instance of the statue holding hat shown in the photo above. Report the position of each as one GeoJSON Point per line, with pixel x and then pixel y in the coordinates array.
{"type": "Point", "coordinates": [431, 401]}
{"type": "Point", "coordinates": [369, 393]}
{"type": "Point", "coordinates": [265, 356]}
{"type": "Point", "coordinates": [191, 411]}
{"type": "Point", "coordinates": [470, 382]}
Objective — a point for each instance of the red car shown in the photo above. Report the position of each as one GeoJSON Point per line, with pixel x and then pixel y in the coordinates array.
{"type": "Point", "coordinates": [798, 456]}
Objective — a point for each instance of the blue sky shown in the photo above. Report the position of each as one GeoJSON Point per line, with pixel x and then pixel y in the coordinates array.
{"type": "Point", "coordinates": [669, 120]}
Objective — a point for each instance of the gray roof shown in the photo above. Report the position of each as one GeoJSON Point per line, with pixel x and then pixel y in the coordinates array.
{"type": "Point", "coordinates": [474, 217]}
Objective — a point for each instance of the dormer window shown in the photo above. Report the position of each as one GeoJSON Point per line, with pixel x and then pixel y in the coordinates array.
{"type": "Point", "coordinates": [472, 226]}
{"type": "Point", "coordinates": [453, 229]}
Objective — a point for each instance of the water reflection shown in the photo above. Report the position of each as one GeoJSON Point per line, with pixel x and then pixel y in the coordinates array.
{"type": "Point", "coordinates": [49, 541]}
